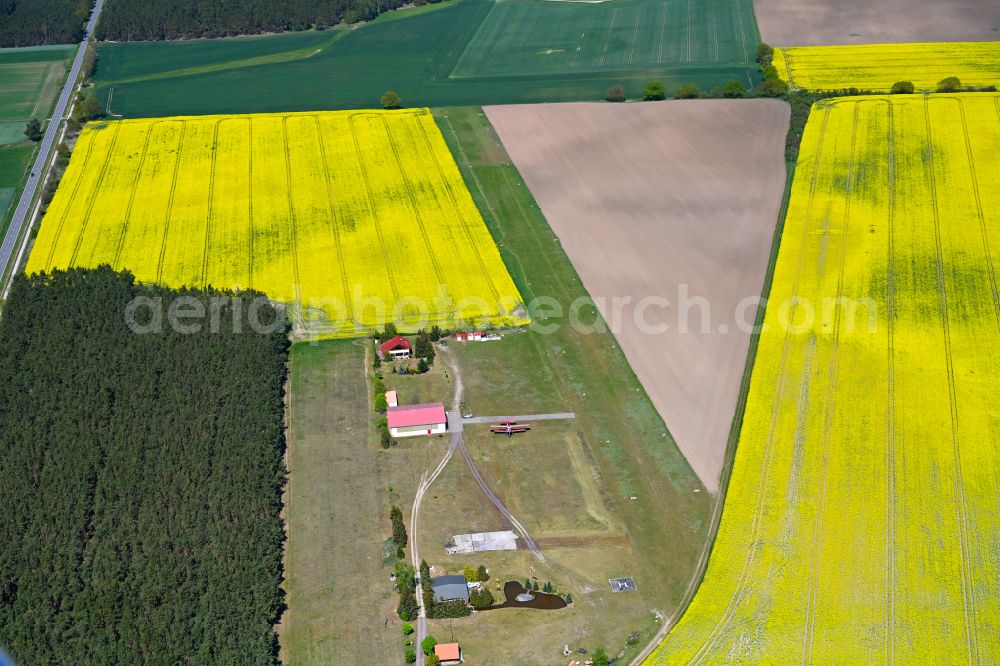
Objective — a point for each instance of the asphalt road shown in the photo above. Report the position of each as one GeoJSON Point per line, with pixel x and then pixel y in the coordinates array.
{"type": "Point", "coordinates": [9, 249]}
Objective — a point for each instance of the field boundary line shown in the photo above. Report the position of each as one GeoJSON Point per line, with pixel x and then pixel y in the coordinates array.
{"type": "Point", "coordinates": [831, 398]}
{"type": "Point", "coordinates": [211, 195]}
{"type": "Point", "coordinates": [335, 217]}
{"type": "Point", "coordinates": [967, 598]}
{"type": "Point", "coordinates": [170, 202]}
{"type": "Point", "coordinates": [371, 203]}
{"type": "Point", "coordinates": [93, 197]}
{"type": "Point", "coordinates": [292, 224]}
{"type": "Point", "coordinates": [65, 211]}
{"type": "Point", "coordinates": [458, 213]}
{"type": "Point", "coordinates": [131, 196]}
{"type": "Point", "coordinates": [979, 209]}
{"type": "Point", "coordinates": [414, 206]}
{"type": "Point", "coordinates": [741, 582]}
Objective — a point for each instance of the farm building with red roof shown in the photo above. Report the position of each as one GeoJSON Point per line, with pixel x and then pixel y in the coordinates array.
{"type": "Point", "coordinates": [397, 347]}
{"type": "Point", "coordinates": [411, 420]}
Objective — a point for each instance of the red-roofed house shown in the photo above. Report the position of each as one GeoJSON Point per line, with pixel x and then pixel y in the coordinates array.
{"type": "Point", "coordinates": [411, 420]}
{"type": "Point", "coordinates": [397, 347]}
{"type": "Point", "coordinates": [448, 653]}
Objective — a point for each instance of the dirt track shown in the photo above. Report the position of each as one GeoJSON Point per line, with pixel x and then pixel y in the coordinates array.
{"type": "Point", "coordinates": [646, 198]}
{"type": "Point", "coordinates": [829, 22]}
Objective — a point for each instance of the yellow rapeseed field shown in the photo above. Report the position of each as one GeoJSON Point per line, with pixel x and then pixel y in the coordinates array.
{"type": "Point", "coordinates": [353, 218]}
{"type": "Point", "coordinates": [861, 523]}
{"type": "Point", "coordinates": [877, 66]}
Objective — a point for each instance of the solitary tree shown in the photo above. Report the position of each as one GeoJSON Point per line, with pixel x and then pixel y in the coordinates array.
{"type": "Point", "coordinates": [482, 574]}
{"type": "Point", "coordinates": [949, 84]}
{"type": "Point", "coordinates": [686, 91]}
{"type": "Point", "coordinates": [425, 573]}
{"type": "Point", "coordinates": [615, 93]}
{"type": "Point", "coordinates": [391, 100]}
{"type": "Point", "coordinates": [33, 130]}
{"type": "Point", "coordinates": [599, 657]}
{"type": "Point", "coordinates": [734, 89]}
{"type": "Point", "coordinates": [398, 527]}
{"type": "Point", "coordinates": [569, 598]}
{"type": "Point", "coordinates": [427, 645]}
{"type": "Point", "coordinates": [655, 90]}
{"type": "Point", "coordinates": [902, 88]}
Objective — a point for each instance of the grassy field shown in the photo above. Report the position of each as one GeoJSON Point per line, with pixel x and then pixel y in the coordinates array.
{"type": "Point", "coordinates": [860, 517]}
{"type": "Point", "coordinates": [336, 510]}
{"type": "Point", "coordinates": [877, 66]}
{"type": "Point", "coordinates": [353, 218]}
{"type": "Point", "coordinates": [29, 84]}
{"type": "Point", "coordinates": [437, 55]}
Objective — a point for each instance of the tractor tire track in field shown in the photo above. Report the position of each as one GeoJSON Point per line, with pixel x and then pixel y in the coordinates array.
{"type": "Point", "coordinates": [65, 213]}
{"type": "Point", "coordinates": [607, 42]}
{"type": "Point", "coordinates": [967, 591]}
{"type": "Point", "coordinates": [688, 32]}
{"type": "Point", "coordinates": [890, 426]}
{"type": "Point", "coordinates": [93, 197]}
{"type": "Point", "coordinates": [211, 195]}
{"type": "Point", "coordinates": [663, 30]}
{"type": "Point", "coordinates": [335, 225]}
{"type": "Point", "coordinates": [831, 398]}
{"type": "Point", "coordinates": [458, 212]}
{"type": "Point", "coordinates": [415, 207]}
{"type": "Point", "coordinates": [170, 203]}
{"type": "Point", "coordinates": [292, 225]}
{"type": "Point", "coordinates": [250, 230]}
{"type": "Point", "coordinates": [371, 204]}
{"type": "Point", "coordinates": [131, 196]}
{"type": "Point", "coordinates": [979, 210]}
{"type": "Point", "coordinates": [635, 35]}
{"type": "Point", "coordinates": [723, 623]}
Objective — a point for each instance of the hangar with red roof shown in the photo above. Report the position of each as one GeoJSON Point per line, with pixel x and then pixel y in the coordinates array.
{"type": "Point", "coordinates": [410, 420]}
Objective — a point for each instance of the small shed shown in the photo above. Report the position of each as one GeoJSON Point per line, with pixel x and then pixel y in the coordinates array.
{"type": "Point", "coordinates": [390, 398]}
{"type": "Point", "coordinates": [411, 420]}
{"type": "Point", "coordinates": [448, 653]}
{"type": "Point", "coordinates": [396, 348]}
{"type": "Point", "coordinates": [450, 588]}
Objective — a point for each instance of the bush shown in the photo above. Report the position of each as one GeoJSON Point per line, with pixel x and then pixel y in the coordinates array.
{"type": "Point", "coordinates": [432, 660]}
{"type": "Point", "coordinates": [471, 574]}
{"type": "Point", "coordinates": [422, 366]}
{"type": "Point", "coordinates": [765, 54]}
{"type": "Point", "coordinates": [599, 657]}
{"type": "Point", "coordinates": [410, 655]}
{"type": "Point", "coordinates": [770, 72]}
{"type": "Point", "coordinates": [34, 130]}
{"type": "Point", "coordinates": [615, 93]}
{"type": "Point", "coordinates": [391, 100]}
{"type": "Point", "coordinates": [949, 84]}
{"type": "Point", "coordinates": [381, 404]}
{"type": "Point", "coordinates": [427, 645]}
{"type": "Point", "coordinates": [733, 89]}
{"type": "Point", "coordinates": [407, 628]}
{"type": "Point", "coordinates": [902, 88]}
{"type": "Point", "coordinates": [772, 88]}
{"type": "Point", "coordinates": [481, 599]}
{"type": "Point", "coordinates": [482, 573]}
{"type": "Point", "coordinates": [686, 91]}
{"type": "Point", "coordinates": [569, 598]}
{"type": "Point", "coordinates": [654, 91]}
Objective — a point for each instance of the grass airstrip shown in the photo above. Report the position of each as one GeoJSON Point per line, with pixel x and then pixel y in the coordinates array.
{"type": "Point", "coordinates": [455, 53]}
{"type": "Point", "coordinates": [353, 218]}
{"type": "Point", "coordinates": [877, 66]}
{"type": "Point", "coordinates": [860, 522]}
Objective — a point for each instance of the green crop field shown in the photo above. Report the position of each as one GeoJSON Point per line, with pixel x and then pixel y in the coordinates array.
{"type": "Point", "coordinates": [29, 84]}
{"type": "Point", "coordinates": [568, 36]}
{"type": "Point", "coordinates": [455, 53]}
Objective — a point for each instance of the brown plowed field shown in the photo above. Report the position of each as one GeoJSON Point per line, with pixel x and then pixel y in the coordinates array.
{"type": "Point", "coordinates": [831, 22]}
{"type": "Point", "coordinates": [649, 200]}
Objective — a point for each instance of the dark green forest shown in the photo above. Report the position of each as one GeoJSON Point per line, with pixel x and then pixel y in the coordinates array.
{"type": "Point", "coordinates": [36, 22]}
{"type": "Point", "coordinates": [141, 477]}
{"type": "Point", "coordinates": [136, 20]}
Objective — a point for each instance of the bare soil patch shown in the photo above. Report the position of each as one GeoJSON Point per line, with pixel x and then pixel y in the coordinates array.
{"type": "Point", "coordinates": [672, 205]}
{"type": "Point", "coordinates": [830, 22]}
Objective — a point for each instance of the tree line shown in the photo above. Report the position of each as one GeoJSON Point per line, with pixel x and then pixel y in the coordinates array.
{"type": "Point", "coordinates": [142, 478]}
{"type": "Point", "coordinates": [37, 22]}
{"type": "Point", "coordinates": [135, 20]}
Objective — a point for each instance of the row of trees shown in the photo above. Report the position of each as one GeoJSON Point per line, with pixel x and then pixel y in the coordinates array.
{"type": "Point", "coordinates": [36, 22]}
{"type": "Point", "coordinates": [133, 20]}
{"type": "Point", "coordinates": [142, 478]}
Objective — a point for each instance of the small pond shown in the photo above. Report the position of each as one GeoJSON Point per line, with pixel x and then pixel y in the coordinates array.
{"type": "Point", "coordinates": [541, 600]}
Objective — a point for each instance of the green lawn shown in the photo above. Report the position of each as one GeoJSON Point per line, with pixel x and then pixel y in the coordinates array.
{"type": "Point", "coordinates": [455, 53]}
